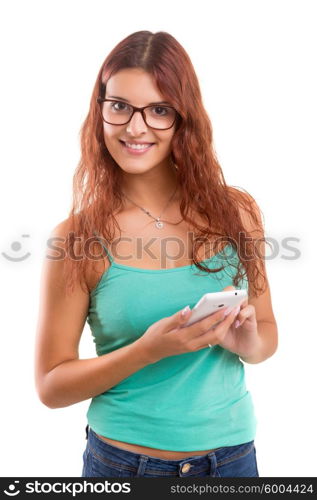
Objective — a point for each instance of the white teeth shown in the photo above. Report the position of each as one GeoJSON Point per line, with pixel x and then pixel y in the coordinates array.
{"type": "Point", "coordinates": [138, 146]}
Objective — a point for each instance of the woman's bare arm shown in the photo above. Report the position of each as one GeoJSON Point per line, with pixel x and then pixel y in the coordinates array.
{"type": "Point", "coordinates": [79, 379]}
{"type": "Point", "coordinates": [61, 378]}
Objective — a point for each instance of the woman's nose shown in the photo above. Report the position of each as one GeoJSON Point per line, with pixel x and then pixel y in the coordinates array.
{"type": "Point", "coordinates": [136, 125]}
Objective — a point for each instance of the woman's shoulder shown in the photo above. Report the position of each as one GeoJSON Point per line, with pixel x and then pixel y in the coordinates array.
{"type": "Point", "coordinates": [239, 194]}
{"type": "Point", "coordinates": [95, 260]}
{"type": "Point", "coordinates": [249, 210]}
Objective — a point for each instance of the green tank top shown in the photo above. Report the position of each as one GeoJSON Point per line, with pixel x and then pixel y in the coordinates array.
{"type": "Point", "coordinates": [187, 402]}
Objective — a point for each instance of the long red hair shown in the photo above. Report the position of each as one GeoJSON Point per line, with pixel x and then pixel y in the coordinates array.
{"type": "Point", "coordinates": [96, 183]}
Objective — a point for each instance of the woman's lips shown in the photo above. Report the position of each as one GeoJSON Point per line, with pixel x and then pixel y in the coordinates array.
{"type": "Point", "coordinates": [135, 151]}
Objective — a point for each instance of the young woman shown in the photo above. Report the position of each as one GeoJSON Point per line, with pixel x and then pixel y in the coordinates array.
{"type": "Point", "coordinates": [152, 228]}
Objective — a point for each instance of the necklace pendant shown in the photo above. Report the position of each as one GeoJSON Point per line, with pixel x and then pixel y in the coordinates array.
{"type": "Point", "coordinates": [159, 224]}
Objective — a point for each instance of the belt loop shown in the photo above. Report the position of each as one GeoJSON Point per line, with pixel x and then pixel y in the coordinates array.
{"type": "Point", "coordinates": [87, 431]}
{"type": "Point", "coordinates": [142, 465]}
{"type": "Point", "coordinates": [213, 463]}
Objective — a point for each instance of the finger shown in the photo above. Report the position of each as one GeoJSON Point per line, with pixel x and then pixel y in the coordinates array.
{"type": "Point", "coordinates": [215, 337]}
{"type": "Point", "coordinates": [178, 319]}
{"type": "Point", "coordinates": [181, 317]}
{"type": "Point", "coordinates": [200, 327]}
{"type": "Point", "coordinates": [244, 303]}
{"type": "Point", "coordinates": [245, 313]}
{"type": "Point", "coordinates": [227, 321]}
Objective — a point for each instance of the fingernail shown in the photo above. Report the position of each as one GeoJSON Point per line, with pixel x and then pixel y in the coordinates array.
{"type": "Point", "coordinates": [236, 324]}
{"type": "Point", "coordinates": [228, 311]}
{"type": "Point", "coordinates": [185, 310]}
{"type": "Point", "coordinates": [236, 310]}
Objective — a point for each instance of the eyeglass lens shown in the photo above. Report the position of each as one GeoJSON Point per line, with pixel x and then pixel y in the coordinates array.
{"type": "Point", "coordinates": [119, 113]}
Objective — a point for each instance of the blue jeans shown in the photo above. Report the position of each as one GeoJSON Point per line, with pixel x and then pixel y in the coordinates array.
{"type": "Point", "coordinates": [104, 460]}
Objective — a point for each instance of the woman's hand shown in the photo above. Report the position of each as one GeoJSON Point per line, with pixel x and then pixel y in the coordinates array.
{"type": "Point", "coordinates": [242, 338]}
{"type": "Point", "coordinates": [169, 336]}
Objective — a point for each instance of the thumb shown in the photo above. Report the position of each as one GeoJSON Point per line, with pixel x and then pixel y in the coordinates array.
{"type": "Point", "coordinates": [228, 288]}
{"type": "Point", "coordinates": [179, 318]}
{"type": "Point", "coordinates": [182, 316]}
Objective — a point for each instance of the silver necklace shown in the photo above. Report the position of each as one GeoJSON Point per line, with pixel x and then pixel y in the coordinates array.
{"type": "Point", "coordinates": [158, 223]}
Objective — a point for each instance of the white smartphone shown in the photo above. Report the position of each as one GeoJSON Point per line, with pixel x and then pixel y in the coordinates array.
{"type": "Point", "coordinates": [212, 302]}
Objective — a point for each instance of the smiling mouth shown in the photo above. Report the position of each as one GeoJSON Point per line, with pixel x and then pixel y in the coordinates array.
{"type": "Point", "coordinates": [144, 144]}
{"type": "Point", "coordinates": [136, 149]}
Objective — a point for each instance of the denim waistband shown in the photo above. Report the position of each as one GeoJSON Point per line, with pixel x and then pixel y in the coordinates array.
{"type": "Point", "coordinates": [137, 462]}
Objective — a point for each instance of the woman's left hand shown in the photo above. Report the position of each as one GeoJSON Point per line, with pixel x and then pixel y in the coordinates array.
{"type": "Point", "coordinates": [242, 339]}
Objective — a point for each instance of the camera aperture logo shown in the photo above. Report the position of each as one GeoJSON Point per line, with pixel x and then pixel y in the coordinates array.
{"type": "Point", "coordinates": [71, 488]}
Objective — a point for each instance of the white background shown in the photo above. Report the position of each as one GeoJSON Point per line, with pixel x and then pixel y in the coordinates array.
{"type": "Point", "coordinates": [256, 63]}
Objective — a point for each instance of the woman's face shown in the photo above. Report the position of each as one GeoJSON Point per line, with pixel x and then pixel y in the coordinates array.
{"type": "Point", "coordinates": [135, 86]}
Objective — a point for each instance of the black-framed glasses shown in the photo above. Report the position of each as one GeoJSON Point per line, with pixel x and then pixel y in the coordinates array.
{"type": "Point", "coordinates": [158, 116]}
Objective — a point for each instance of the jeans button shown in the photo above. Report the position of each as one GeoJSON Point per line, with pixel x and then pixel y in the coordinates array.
{"type": "Point", "coordinates": [186, 468]}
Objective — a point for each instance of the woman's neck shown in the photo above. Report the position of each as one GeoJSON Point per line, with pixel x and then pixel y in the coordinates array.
{"type": "Point", "coordinates": [151, 189]}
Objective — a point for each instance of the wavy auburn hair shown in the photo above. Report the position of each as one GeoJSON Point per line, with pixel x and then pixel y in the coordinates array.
{"type": "Point", "coordinates": [96, 184]}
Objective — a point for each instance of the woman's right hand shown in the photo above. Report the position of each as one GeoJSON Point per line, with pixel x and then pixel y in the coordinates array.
{"type": "Point", "coordinates": [169, 336]}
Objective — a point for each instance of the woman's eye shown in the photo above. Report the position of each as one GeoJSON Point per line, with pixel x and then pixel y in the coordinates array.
{"type": "Point", "coordinates": [118, 106]}
{"type": "Point", "coordinates": [160, 110]}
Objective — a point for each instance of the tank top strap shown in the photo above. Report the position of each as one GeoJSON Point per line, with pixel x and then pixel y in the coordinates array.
{"type": "Point", "coordinates": [104, 247]}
